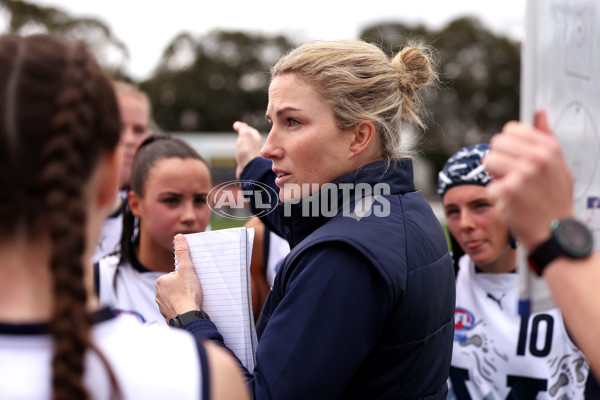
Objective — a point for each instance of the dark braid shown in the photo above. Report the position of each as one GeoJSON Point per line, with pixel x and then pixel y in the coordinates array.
{"type": "Point", "coordinates": [64, 180]}
{"type": "Point", "coordinates": [64, 116]}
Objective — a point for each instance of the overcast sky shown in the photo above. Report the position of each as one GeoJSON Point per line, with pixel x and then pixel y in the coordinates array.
{"type": "Point", "coordinates": [148, 26]}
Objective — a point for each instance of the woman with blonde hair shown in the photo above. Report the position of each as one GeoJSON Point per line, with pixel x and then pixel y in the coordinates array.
{"type": "Point", "coordinates": [363, 305]}
{"type": "Point", "coordinates": [135, 111]}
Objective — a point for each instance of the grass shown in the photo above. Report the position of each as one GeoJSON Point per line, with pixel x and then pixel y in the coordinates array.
{"type": "Point", "coordinates": [224, 223]}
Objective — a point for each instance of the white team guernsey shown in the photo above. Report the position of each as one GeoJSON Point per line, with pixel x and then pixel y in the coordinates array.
{"type": "Point", "coordinates": [149, 362]}
{"type": "Point", "coordinates": [131, 290]}
{"type": "Point", "coordinates": [128, 288]}
{"type": "Point", "coordinates": [496, 352]}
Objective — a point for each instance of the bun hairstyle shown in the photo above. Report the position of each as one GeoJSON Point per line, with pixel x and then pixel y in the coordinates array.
{"type": "Point", "coordinates": [58, 115]}
{"type": "Point", "coordinates": [360, 83]}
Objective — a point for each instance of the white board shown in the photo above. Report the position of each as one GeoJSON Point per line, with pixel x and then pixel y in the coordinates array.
{"type": "Point", "coordinates": [561, 73]}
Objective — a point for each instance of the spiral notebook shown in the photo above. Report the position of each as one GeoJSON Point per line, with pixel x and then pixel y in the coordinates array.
{"type": "Point", "coordinates": [221, 261]}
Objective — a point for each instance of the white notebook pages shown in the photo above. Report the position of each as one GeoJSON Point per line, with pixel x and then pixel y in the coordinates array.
{"type": "Point", "coordinates": [221, 261]}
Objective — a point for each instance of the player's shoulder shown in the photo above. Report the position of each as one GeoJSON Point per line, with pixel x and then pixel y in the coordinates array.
{"type": "Point", "coordinates": [142, 357]}
{"type": "Point", "coordinates": [131, 337]}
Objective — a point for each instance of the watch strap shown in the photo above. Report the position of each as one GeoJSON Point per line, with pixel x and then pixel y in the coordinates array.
{"type": "Point", "coordinates": [570, 238]}
{"type": "Point", "coordinates": [543, 255]}
{"type": "Point", "coordinates": [182, 319]}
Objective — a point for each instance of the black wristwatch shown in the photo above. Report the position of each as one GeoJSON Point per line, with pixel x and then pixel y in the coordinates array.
{"type": "Point", "coordinates": [180, 320]}
{"type": "Point", "coordinates": [570, 238]}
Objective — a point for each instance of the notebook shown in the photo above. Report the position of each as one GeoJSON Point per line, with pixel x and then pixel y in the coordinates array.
{"type": "Point", "coordinates": [221, 260]}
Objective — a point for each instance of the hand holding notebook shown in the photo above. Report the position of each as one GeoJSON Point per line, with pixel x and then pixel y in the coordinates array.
{"type": "Point", "coordinates": [221, 262]}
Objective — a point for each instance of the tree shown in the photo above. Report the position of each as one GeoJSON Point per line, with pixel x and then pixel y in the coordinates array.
{"type": "Point", "coordinates": [480, 75]}
{"type": "Point", "coordinates": [26, 18]}
{"type": "Point", "coordinates": [207, 83]}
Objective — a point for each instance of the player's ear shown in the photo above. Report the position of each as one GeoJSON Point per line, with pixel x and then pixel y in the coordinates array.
{"type": "Point", "coordinates": [134, 203]}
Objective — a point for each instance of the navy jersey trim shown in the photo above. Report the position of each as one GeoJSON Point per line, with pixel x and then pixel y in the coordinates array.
{"type": "Point", "coordinates": [204, 372]}
{"type": "Point", "coordinates": [135, 263]}
{"type": "Point", "coordinates": [97, 278]}
{"type": "Point", "coordinates": [101, 315]}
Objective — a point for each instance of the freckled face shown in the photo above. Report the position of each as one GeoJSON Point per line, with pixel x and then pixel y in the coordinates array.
{"type": "Point", "coordinates": [305, 143]}
{"type": "Point", "coordinates": [174, 201]}
{"type": "Point", "coordinates": [477, 225]}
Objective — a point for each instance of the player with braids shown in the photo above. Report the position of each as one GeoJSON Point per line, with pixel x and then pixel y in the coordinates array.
{"type": "Point", "coordinates": [59, 167]}
{"type": "Point", "coordinates": [63, 176]}
{"type": "Point", "coordinates": [363, 304]}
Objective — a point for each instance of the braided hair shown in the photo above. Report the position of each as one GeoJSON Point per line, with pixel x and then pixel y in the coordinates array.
{"type": "Point", "coordinates": [58, 115]}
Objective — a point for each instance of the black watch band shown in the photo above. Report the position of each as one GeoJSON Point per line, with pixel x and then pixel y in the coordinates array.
{"type": "Point", "coordinates": [570, 238]}
{"type": "Point", "coordinates": [543, 255]}
{"type": "Point", "coordinates": [180, 320]}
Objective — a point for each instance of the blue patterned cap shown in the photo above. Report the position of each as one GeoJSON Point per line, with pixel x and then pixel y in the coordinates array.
{"type": "Point", "coordinates": [464, 168]}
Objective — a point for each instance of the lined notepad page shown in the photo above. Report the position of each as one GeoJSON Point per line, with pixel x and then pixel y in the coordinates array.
{"type": "Point", "coordinates": [221, 260]}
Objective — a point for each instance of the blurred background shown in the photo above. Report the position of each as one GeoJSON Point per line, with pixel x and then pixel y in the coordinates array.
{"type": "Point", "coordinates": [205, 66]}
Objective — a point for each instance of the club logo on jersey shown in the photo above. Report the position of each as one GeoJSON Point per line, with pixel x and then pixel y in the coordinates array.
{"type": "Point", "coordinates": [463, 319]}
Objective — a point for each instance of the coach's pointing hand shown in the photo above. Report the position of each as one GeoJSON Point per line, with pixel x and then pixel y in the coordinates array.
{"type": "Point", "coordinates": [248, 145]}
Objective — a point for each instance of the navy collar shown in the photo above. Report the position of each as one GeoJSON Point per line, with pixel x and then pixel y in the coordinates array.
{"type": "Point", "coordinates": [101, 315]}
{"type": "Point", "coordinates": [398, 174]}
{"type": "Point", "coordinates": [135, 262]}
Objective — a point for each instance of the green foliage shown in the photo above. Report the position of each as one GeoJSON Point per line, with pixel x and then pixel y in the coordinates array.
{"type": "Point", "coordinates": [25, 18]}
{"type": "Point", "coordinates": [206, 84]}
{"type": "Point", "coordinates": [480, 75]}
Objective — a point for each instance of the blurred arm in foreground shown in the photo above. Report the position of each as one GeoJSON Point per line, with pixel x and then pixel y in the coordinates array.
{"type": "Point", "coordinates": [534, 187]}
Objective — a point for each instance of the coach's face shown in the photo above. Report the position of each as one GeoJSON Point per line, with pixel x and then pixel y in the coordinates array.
{"type": "Point", "coordinates": [305, 143]}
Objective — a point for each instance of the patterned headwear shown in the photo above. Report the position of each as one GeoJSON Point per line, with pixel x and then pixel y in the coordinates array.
{"type": "Point", "coordinates": [464, 168]}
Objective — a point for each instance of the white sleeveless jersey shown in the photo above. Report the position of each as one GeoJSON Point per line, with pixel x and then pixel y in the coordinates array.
{"type": "Point", "coordinates": [278, 248]}
{"type": "Point", "coordinates": [133, 291]}
{"type": "Point", "coordinates": [495, 352]}
{"type": "Point", "coordinates": [141, 357]}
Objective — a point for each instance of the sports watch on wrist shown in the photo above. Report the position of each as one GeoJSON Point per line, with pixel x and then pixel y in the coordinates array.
{"type": "Point", "coordinates": [180, 320]}
{"type": "Point", "coordinates": [570, 238]}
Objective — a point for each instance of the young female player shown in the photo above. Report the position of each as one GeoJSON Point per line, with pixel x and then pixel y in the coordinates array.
{"type": "Point", "coordinates": [169, 186]}
{"type": "Point", "coordinates": [135, 111]}
{"type": "Point", "coordinates": [59, 166]}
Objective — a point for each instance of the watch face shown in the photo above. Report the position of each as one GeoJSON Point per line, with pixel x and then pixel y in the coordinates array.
{"type": "Point", "coordinates": [575, 238]}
